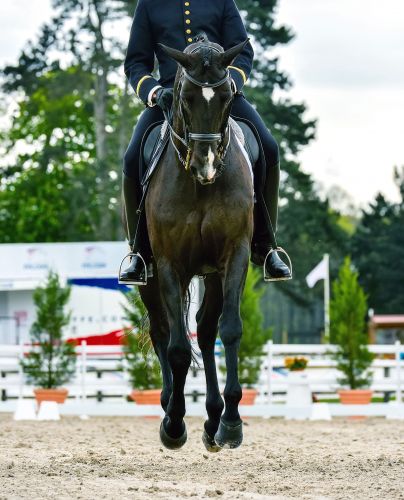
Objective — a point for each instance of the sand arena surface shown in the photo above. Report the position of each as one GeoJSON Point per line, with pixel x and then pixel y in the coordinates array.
{"type": "Point", "coordinates": [122, 458]}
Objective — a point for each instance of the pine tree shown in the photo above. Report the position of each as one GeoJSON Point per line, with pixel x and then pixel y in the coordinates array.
{"type": "Point", "coordinates": [348, 329]}
{"type": "Point", "coordinates": [254, 336]}
{"type": "Point", "coordinates": [52, 361]}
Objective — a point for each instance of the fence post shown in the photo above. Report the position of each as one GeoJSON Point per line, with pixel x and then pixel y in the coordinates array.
{"type": "Point", "coordinates": [269, 371]}
{"type": "Point", "coordinates": [20, 370]}
{"type": "Point", "coordinates": [83, 371]}
{"type": "Point", "coordinates": [398, 371]}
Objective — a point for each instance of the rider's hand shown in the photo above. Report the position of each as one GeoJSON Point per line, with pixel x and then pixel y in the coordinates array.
{"type": "Point", "coordinates": [164, 99]}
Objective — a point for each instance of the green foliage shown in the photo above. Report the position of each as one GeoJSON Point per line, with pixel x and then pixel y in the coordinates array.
{"type": "Point", "coordinates": [254, 335]}
{"type": "Point", "coordinates": [52, 362]}
{"type": "Point", "coordinates": [348, 329]}
{"type": "Point", "coordinates": [377, 248]}
{"type": "Point", "coordinates": [142, 363]}
{"type": "Point", "coordinates": [71, 123]}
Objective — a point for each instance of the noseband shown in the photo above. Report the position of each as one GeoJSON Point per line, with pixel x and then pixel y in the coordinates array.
{"type": "Point", "coordinates": [201, 137]}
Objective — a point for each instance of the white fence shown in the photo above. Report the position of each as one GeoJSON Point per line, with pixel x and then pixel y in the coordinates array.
{"type": "Point", "coordinates": [100, 373]}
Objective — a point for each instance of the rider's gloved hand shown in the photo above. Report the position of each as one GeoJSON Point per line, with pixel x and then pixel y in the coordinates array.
{"type": "Point", "coordinates": [164, 99]}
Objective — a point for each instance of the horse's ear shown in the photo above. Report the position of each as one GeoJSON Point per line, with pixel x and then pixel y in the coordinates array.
{"type": "Point", "coordinates": [184, 59]}
{"type": "Point", "coordinates": [229, 55]}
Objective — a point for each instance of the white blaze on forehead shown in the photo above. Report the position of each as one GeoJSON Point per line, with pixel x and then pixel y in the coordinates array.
{"type": "Point", "coordinates": [208, 93]}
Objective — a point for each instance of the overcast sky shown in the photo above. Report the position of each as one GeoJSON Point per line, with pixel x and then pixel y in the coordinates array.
{"type": "Point", "coordinates": [347, 65]}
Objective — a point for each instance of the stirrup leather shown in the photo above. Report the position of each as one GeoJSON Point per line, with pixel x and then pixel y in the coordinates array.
{"type": "Point", "coordinates": [270, 278]}
{"type": "Point", "coordinates": [128, 281]}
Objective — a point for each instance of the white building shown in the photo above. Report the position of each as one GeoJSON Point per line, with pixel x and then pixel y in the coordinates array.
{"type": "Point", "coordinates": [91, 268]}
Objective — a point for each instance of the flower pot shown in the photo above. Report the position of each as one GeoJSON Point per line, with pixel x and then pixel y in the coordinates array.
{"type": "Point", "coordinates": [56, 395]}
{"type": "Point", "coordinates": [248, 397]}
{"type": "Point", "coordinates": [146, 397]}
{"type": "Point", "coordinates": [355, 396]}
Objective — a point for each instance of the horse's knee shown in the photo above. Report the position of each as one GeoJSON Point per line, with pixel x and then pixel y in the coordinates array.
{"type": "Point", "coordinates": [230, 332]}
{"type": "Point", "coordinates": [179, 356]}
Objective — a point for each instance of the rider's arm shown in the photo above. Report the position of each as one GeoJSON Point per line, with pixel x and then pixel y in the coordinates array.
{"type": "Point", "coordinates": [234, 33]}
{"type": "Point", "coordinates": [139, 61]}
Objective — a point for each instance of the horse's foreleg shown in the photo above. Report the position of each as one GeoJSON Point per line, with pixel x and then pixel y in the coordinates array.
{"type": "Point", "coordinates": [207, 319]}
{"type": "Point", "coordinates": [173, 431]}
{"type": "Point", "coordinates": [230, 432]}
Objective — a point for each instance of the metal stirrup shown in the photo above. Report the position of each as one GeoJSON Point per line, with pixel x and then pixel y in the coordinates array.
{"type": "Point", "coordinates": [132, 254]}
{"type": "Point", "coordinates": [281, 250]}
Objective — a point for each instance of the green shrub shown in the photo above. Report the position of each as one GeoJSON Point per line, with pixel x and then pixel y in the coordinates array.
{"type": "Point", "coordinates": [348, 329]}
{"type": "Point", "coordinates": [141, 361]}
{"type": "Point", "coordinates": [52, 361]}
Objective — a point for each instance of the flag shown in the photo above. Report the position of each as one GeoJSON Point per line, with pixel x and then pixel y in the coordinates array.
{"type": "Point", "coordinates": [320, 272]}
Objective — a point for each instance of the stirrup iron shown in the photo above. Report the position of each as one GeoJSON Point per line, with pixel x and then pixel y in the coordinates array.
{"type": "Point", "coordinates": [281, 250]}
{"type": "Point", "coordinates": [132, 282]}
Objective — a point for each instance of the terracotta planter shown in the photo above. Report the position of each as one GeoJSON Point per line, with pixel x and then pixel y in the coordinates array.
{"type": "Point", "coordinates": [147, 397]}
{"type": "Point", "coordinates": [248, 397]}
{"type": "Point", "coordinates": [355, 396]}
{"type": "Point", "coordinates": [56, 395]}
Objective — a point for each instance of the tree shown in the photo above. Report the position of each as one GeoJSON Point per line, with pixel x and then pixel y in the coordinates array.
{"type": "Point", "coordinates": [52, 361]}
{"type": "Point", "coordinates": [142, 363]}
{"type": "Point", "coordinates": [254, 335]}
{"type": "Point", "coordinates": [377, 251]}
{"type": "Point", "coordinates": [348, 331]}
{"type": "Point", "coordinates": [78, 106]}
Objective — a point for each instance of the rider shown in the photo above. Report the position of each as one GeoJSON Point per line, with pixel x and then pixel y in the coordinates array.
{"type": "Point", "coordinates": [175, 23]}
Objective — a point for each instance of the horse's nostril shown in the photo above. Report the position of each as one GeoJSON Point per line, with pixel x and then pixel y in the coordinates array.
{"type": "Point", "coordinates": [194, 171]}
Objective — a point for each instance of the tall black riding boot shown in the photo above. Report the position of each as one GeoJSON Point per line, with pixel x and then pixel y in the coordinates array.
{"type": "Point", "coordinates": [264, 247]}
{"type": "Point", "coordinates": [136, 273]}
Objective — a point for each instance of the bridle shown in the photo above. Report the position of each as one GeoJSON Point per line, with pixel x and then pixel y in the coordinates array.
{"type": "Point", "coordinates": [201, 137]}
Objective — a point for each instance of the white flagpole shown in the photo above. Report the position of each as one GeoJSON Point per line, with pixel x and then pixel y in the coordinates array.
{"type": "Point", "coordinates": [327, 297]}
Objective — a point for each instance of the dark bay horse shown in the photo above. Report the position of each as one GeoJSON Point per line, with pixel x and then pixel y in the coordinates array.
{"type": "Point", "coordinates": [199, 211]}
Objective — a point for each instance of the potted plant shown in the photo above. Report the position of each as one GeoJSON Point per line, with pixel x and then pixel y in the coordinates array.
{"type": "Point", "coordinates": [141, 361]}
{"type": "Point", "coordinates": [348, 331]}
{"type": "Point", "coordinates": [51, 362]}
{"type": "Point", "coordinates": [296, 364]}
{"type": "Point", "coordinates": [254, 337]}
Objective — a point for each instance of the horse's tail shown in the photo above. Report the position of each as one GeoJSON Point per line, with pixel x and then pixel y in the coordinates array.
{"type": "Point", "coordinates": [187, 307]}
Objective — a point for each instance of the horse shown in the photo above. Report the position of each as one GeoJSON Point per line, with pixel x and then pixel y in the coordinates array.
{"type": "Point", "coordinates": [199, 211]}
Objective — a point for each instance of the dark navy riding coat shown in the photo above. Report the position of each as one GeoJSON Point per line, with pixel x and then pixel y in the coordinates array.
{"type": "Point", "coordinates": [174, 23]}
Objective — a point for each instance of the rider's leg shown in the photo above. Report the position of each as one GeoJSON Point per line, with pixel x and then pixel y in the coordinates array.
{"type": "Point", "coordinates": [131, 193]}
{"type": "Point", "coordinates": [275, 268]}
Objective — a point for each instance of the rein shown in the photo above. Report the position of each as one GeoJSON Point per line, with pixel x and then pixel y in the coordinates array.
{"type": "Point", "coordinates": [201, 137]}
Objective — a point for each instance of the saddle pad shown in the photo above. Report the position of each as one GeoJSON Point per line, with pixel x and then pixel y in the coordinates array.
{"type": "Point", "coordinates": [156, 139]}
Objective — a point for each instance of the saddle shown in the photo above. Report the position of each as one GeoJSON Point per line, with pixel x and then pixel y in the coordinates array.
{"type": "Point", "coordinates": [157, 136]}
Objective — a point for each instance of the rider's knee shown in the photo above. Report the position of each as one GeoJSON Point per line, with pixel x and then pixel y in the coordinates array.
{"type": "Point", "coordinates": [129, 164]}
{"type": "Point", "coordinates": [271, 150]}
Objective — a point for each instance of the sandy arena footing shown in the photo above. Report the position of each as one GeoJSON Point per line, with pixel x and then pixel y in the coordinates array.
{"type": "Point", "coordinates": [122, 458]}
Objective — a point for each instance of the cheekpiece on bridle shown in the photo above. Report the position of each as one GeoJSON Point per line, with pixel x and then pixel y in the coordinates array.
{"type": "Point", "coordinates": [201, 137]}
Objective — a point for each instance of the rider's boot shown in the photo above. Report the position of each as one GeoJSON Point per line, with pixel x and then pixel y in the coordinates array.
{"type": "Point", "coordinates": [264, 248]}
{"type": "Point", "coordinates": [136, 273]}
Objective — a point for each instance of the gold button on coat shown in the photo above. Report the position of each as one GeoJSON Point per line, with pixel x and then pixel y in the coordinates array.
{"type": "Point", "coordinates": [188, 21]}
{"type": "Point", "coordinates": [189, 32]}
{"type": "Point", "coordinates": [186, 4]}
{"type": "Point", "coordinates": [189, 40]}
{"type": "Point", "coordinates": [187, 12]}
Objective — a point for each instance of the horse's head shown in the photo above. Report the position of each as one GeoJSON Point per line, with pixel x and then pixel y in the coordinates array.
{"type": "Point", "coordinates": [202, 104]}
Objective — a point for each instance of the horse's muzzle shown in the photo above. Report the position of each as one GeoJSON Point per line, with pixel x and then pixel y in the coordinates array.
{"type": "Point", "coordinates": [204, 175]}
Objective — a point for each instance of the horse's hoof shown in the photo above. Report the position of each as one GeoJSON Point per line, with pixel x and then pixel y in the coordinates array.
{"type": "Point", "coordinates": [209, 443]}
{"type": "Point", "coordinates": [172, 443]}
{"type": "Point", "coordinates": [229, 435]}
